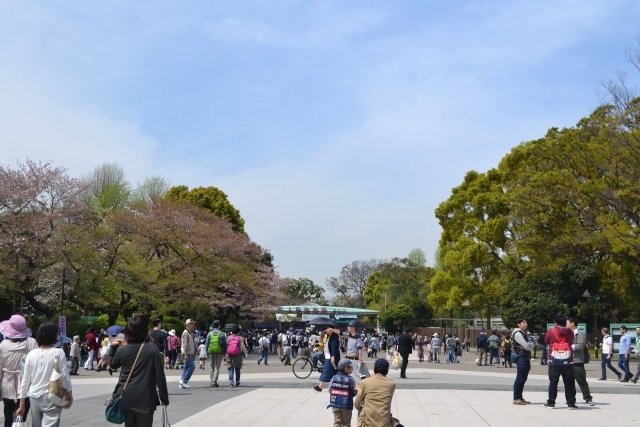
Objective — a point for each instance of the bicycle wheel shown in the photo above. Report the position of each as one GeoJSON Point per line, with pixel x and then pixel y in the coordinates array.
{"type": "Point", "coordinates": [302, 368]}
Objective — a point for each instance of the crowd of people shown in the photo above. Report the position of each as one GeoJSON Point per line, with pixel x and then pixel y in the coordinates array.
{"type": "Point", "coordinates": [26, 364]}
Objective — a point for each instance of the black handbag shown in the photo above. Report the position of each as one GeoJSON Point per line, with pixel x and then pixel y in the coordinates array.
{"type": "Point", "coordinates": [114, 413]}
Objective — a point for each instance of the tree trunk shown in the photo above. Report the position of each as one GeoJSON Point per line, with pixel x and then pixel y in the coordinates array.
{"type": "Point", "coordinates": [47, 311]}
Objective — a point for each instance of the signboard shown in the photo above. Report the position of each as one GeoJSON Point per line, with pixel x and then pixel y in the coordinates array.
{"type": "Point", "coordinates": [309, 317]}
{"type": "Point", "coordinates": [62, 325]}
{"type": "Point", "coordinates": [345, 316]}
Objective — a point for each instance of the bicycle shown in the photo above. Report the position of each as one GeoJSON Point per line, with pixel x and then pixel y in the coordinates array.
{"type": "Point", "coordinates": [303, 366]}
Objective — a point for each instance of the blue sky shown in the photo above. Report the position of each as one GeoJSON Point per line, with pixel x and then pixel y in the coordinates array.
{"type": "Point", "coordinates": [335, 127]}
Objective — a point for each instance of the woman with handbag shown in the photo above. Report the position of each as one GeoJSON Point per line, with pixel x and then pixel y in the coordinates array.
{"type": "Point", "coordinates": [46, 381]}
{"type": "Point", "coordinates": [142, 377]}
{"type": "Point", "coordinates": [13, 350]}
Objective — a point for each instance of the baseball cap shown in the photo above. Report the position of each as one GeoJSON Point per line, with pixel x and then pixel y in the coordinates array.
{"type": "Point", "coordinates": [344, 364]}
{"type": "Point", "coordinates": [353, 323]}
{"type": "Point", "coordinates": [189, 322]}
{"type": "Point", "coordinates": [381, 364]}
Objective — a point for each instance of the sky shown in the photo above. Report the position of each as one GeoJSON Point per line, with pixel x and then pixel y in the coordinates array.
{"type": "Point", "coordinates": [336, 128]}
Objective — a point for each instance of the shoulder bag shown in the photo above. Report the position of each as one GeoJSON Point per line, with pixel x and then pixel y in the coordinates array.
{"type": "Point", "coordinates": [57, 389]}
{"type": "Point", "coordinates": [115, 407]}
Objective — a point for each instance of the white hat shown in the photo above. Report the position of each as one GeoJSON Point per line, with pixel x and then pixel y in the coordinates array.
{"type": "Point", "coordinates": [435, 335]}
{"type": "Point", "coordinates": [189, 322]}
{"type": "Point", "coordinates": [172, 332]}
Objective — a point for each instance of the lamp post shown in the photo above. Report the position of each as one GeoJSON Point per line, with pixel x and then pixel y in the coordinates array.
{"type": "Point", "coordinates": [586, 295]}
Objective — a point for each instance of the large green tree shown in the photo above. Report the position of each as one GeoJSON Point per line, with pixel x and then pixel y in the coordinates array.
{"type": "Point", "coordinates": [210, 198]}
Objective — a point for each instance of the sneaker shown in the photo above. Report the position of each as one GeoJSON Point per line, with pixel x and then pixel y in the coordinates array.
{"type": "Point", "coordinates": [258, 362]}
{"type": "Point", "coordinates": [624, 381]}
{"type": "Point", "coordinates": [572, 406]}
{"type": "Point", "coordinates": [619, 377]}
{"type": "Point", "coordinates": [590, 403]}
{"type": "Point", "coordinates": [634, 380]}
{"type": "Point", "coordinates": [185, 385]}
{"type": "Point", "coordinates": [526, 402]}
{"type": "Point", "coordinates": [602, 379]}
{"type": "Point", "coordinates": [237, 384]}
{"type": "Point", "coordinates": [180, 382]}
{"type": "Point", "coordinates": [549, 405]}
{"type": "Point", "coordinates": [231, 384]}
{"type": "Point", "coordinates": [317, 388]}
{"type": "Point", "coordinates": [518, 402]}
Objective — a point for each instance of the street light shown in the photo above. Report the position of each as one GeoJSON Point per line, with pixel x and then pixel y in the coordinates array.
{"type": "Point", "coordinates": [586, 295]}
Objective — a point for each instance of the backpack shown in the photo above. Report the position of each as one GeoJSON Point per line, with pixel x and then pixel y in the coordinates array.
{"type": "Point", "coordinates": [493, 344]}
{"type": "Point", "coordinates": [560, 350]}
{"type": "Point", "coordinates": [216, 342]}
{"type": "Point", "coordinates": [294, 341]}
{"type": "Point", "coordinates": [265, 344]}
{"type": "Point", "coordinates": [587, 357]}
{"type": "Point", "coordinates": [233, 346]}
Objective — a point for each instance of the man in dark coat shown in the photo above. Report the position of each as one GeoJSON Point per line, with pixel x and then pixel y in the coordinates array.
{"type": "Point", "coordinates": [405, 345]}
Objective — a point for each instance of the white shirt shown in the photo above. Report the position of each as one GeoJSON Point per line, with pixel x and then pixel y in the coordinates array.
{"type": "Point", "coordinates": [264, 341]}
{"type": "Point", "coordinates": [608, 341]}
{"type": "Point", "coordinates": [285, 340]}
{"type": "Point", "coordinates": [37, 371]}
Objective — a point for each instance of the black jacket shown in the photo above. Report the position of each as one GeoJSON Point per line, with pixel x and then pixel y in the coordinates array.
{"type": "Point", "coordinates": [148, 375]}
{"type": "Point", "coordinates": [405, 344]}
{"type": "Point", "coordinates": [334, 347]}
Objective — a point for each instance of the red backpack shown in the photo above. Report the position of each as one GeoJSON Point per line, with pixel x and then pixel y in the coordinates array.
{"type": "Point", "coordinates": [560, 350]}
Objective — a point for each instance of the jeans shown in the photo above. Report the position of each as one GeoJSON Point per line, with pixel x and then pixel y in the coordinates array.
{"type": "Point", "coordinates": [405, 362]}
{"type": "Point", "coordinates": [75, 364]}
{"type": "Point", "coordinates": [237, 370]}
{"type": "Point", "coordinates": [436, 354]}
{"type": "Point", "coordinates": [523, 366]}
{"type": "Point", "coordinates": [606, 363]}
{"type": "Point", "coordinates": [189, 367]}
{"type": "Point", "coordinates": [451, 355]}
{"type": "Point", "coordinates": [566, 372]}
{"type": "Point", "coordinates": [173, 356]}
{"type": "Point", "coordinates": [137, 419]}
{"type": "Point", "coordinates": [623, 364]}
{"type": "Point", "coordinates": [214, 371]}
{"type": "Point", "coordinates": [294, 352]}
{"type": "Point", "coordinates": [10, 407]}
{"type": "Point", "coordinates": [318, 356]}
{"type": "Point", "coordinates": [494, 353]}
{"type": "Point", "coordinates": [581, 378]}
{"type": "Point", "coordinates": [543, 358]}
{"type": "Point", "coordinates": [264, 355]}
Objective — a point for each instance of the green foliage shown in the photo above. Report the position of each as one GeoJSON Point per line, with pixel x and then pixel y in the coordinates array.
{"type": "Point", "coordinates": [396, 317]}
{"type": "Point", "coordinates": [102, 322]}
{"type": "Point", "coordinates": [210, 198]}
{"type": "Point", "coordinates": [170, 322]}
{"type": "Point", "coordinates": [304, 291]}
{"type": "Point", "coordinates": [417, 257]}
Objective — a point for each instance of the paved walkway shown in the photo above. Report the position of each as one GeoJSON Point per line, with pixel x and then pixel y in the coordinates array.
{"type": "Point", "coordinates": [433, 395]}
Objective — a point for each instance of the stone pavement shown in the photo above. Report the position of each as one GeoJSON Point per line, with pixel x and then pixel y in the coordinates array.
{"type": "Point", "coordinates": [433, 395]}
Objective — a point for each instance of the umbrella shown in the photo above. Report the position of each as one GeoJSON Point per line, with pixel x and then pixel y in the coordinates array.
{"type": "Point", "coordinates": [322, 321]}
{"type": "Point", "coordinates": [113, 330]}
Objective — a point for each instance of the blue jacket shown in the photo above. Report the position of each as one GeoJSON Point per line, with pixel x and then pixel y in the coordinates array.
{"type": "Point", "coordinates": [481, 342]}
{"type": "Point", "coordinates": [342, 390]}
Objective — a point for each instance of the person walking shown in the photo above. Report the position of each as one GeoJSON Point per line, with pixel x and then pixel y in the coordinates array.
{"type": "Point", "coordinates": [451, 349]}
{"type": "Point", "coordinates": [506, 351]}
{"type": "Point", "coordinates": [522, 346]}
{"type": "Point", "coordinates": [579, 348]}
{"type": "Point", "coordinates": [263, 346]}
{"type": "Point", "coordinates": [637, 375]}
{"type": "Point", "coordinates": [481, 345]}
{"type": "Point", "coordinates": [142, 366]}
{"type": "Point", "coordinates": [624, 351]}
{"type": "Point", "coordinates": [92, 348]}
{"type": "Point", "coordinates": [494, 348]}
{"type": "Point", "coordinates": [543, 348]}
{"type": "Point", "coordinates": [436, 342]}
{"type": "Point", "coordinates": [75, 355]}
{"type": "Point", "coordinates": [332, 358]}
{"type": "Point", "coordinates": [188, 349]}
{"type": "Point", "coordinates": [13, 350]}
{"type": "Point", "coordinates": [38, 367]}
{"type": "Point", "coordinates": [216, 344]}
{"type": "Point", "coordinates": [560, 359]}
{"type": "Point", "coordinates": [233, 356]}
{"type": "Point", "coordinates": [405, 349]}
{"type": "Point", "coordinates": [173, 342]}
{"type": "Point", "coordinates": [607, 354]}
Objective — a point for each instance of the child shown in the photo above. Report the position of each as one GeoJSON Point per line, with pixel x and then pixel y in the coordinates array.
{"type": "Point", "coordinates": [202, 350]}
{"type": "Point", "coordinates": [342, 390]}
{"type": "Point", "coordinates": [286, 352]}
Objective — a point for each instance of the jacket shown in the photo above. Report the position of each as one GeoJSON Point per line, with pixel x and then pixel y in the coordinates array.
{"type": "Point", "coordinates": [148, 376]}
{"type": "Point", "coordinates": [481, 342]}
{"type": "Point", "coordinates": [405, 344]}
{"type": "Point", "coordinates": [334, 347]}
{"type": "Point", "coordinates": [374, 400]}
{"type": "Point", "coordinates": [579, 346]}
{"type": "Point", "coordinates": [560, 331]}
{"type": "Point", "coordinates": [342, 390]}
{"type": "Point", "coordinates": [12, 354]}
{"type": "Point", "coordinates": [187, 344]}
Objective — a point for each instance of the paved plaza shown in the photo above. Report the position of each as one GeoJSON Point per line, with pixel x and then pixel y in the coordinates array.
{"type": "Point", "coordinates": [433, 395]}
